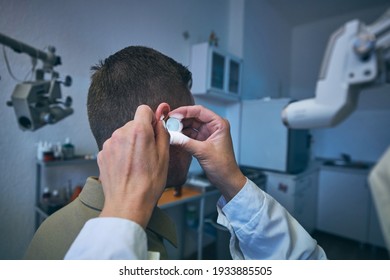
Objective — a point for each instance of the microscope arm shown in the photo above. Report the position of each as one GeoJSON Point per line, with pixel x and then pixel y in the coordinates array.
{"type": "Point", "coordinates": [356, 58]}
{"type": "Point", "coordinates": [49, 58]}
{"type": "Point", "coordinates": [37, 103]}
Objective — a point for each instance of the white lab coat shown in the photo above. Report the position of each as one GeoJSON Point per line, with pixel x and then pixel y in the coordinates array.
{"type": "Point", "coordinates": [260, 229]}
{"type": "Point", "coordinates": [379, 180]}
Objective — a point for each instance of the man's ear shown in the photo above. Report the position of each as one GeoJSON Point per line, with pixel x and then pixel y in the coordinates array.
{"type": "Point", "coordinates": [162, 110]}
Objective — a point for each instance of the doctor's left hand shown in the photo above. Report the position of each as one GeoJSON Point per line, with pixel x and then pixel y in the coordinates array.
{"type": "Point", "coordinates": [133, 167]}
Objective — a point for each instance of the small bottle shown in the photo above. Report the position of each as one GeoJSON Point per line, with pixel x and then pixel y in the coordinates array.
{"type": "Point", "coordinates": [40, 150]}
{"type": "Point", "coordinates": [55, 202]}
{"type": "Point", "coordinates": [55, 198]}
{"type": "Point", "coordinates": [67, 149]}
{"type": "Point", "coordinates": [46, 195]}
{"type": "Point", "coordinates": [57, 150]}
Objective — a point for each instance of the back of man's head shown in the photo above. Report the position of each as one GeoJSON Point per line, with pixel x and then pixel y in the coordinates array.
{"type": "Point", "coordinates": [133, 76]}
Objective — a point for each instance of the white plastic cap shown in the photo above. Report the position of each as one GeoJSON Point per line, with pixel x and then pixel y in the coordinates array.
{"type": "Point", "coordinates": [174, 124]}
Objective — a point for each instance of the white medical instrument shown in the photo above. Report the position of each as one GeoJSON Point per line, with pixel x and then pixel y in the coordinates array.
{"type": "Point", "coordinates": [174, 124]}
{"type": "Point", "coordinates": [357, 57]}
{"type": "Point", "coordinates": [39, 102]}
{"type": "Point", "coordinates": [174, 127]}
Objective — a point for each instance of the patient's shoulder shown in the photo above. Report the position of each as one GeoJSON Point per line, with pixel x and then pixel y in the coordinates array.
{"type": "Point", "coordinates": [55, 235]}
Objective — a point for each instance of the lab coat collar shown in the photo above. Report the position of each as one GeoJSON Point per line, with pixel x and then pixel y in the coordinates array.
{"type": "Point", "coordinates": [160, 223]}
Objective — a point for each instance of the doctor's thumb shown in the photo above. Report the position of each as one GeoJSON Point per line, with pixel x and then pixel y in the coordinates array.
{"type": "Point", "coordinates": [179, 139]}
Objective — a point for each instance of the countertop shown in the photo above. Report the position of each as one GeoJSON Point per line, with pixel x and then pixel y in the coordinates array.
{"type": "Point", "coordinates": [345, 166]}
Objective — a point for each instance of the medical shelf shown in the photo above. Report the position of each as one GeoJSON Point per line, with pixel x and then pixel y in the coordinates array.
{"type": "Point", "coordinates": [41, 211]}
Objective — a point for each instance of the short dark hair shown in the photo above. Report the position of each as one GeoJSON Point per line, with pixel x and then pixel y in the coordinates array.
{"type": "Point", "coordinates": [133, 76]}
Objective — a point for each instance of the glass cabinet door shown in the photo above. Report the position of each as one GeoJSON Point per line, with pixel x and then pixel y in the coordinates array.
{"type": "Point", "coordinates": [217, 71]}
{"type": "Point", "coordinates": [234, 76]}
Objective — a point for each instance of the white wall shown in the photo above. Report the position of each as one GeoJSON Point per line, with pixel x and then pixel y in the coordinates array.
{"type": "Point", "coordinates": [83, 32]}
{"type": "Point", "coordinates": [266, 51]}
{"type": "Point", "coordinates": [365, 134]}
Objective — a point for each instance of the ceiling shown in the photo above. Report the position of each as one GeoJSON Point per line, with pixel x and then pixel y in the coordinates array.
{"type": "Point", "coordinates": [303, 11]}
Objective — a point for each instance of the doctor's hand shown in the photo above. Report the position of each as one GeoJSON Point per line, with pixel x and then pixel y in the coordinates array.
{"type": "Point", "coordinates": [133, 167]}
{"type": "Point", "coordinates": [209, 141]}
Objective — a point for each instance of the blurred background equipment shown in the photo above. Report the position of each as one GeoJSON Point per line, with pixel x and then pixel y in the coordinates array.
{"type": "Point", "coordinates": [357, 57]}
{"type": "Point", "coordinates": [38, 102]}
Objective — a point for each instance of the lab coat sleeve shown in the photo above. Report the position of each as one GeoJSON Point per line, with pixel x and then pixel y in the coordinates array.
{"type": "Point", "coordinates": [261, 228]}
{"type": "Point", "coordinates": [379, 180]}
{"type": "Point", "coordinates": [109, 238]}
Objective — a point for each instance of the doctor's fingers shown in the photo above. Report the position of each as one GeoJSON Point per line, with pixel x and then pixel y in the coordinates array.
{"type": "Point", "coordinates": [200, 131]}
{"type": "Point", "coordinates": [198, 112]}
{"type": "Point", "coordinates": [162, 143]}
{"type": "Point", "coordinates": [144, 114]}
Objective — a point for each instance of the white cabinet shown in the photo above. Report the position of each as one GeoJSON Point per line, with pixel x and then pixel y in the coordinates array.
{"type": "Point", "coordinates": [215, 72]}
{"type": "Point", "coordinates": [343, 204]}
{"type": "Point", "coordinates": [297, 193]}
{"type": "Point", "coordinates": [345, 207]}
{"type": "Point", "coordinates": [265, 142]}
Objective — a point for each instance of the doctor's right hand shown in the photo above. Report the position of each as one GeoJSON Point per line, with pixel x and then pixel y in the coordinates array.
{"type": "Point", "coordinates": [209, 141]}
{"type": "Point", "coordinates": [133, 167]}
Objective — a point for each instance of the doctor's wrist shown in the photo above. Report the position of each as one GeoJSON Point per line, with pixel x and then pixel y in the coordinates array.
{"type": "Point", "coordinates": [139, 216]}
{"type": "Point", "coordinates": [232, 185]}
